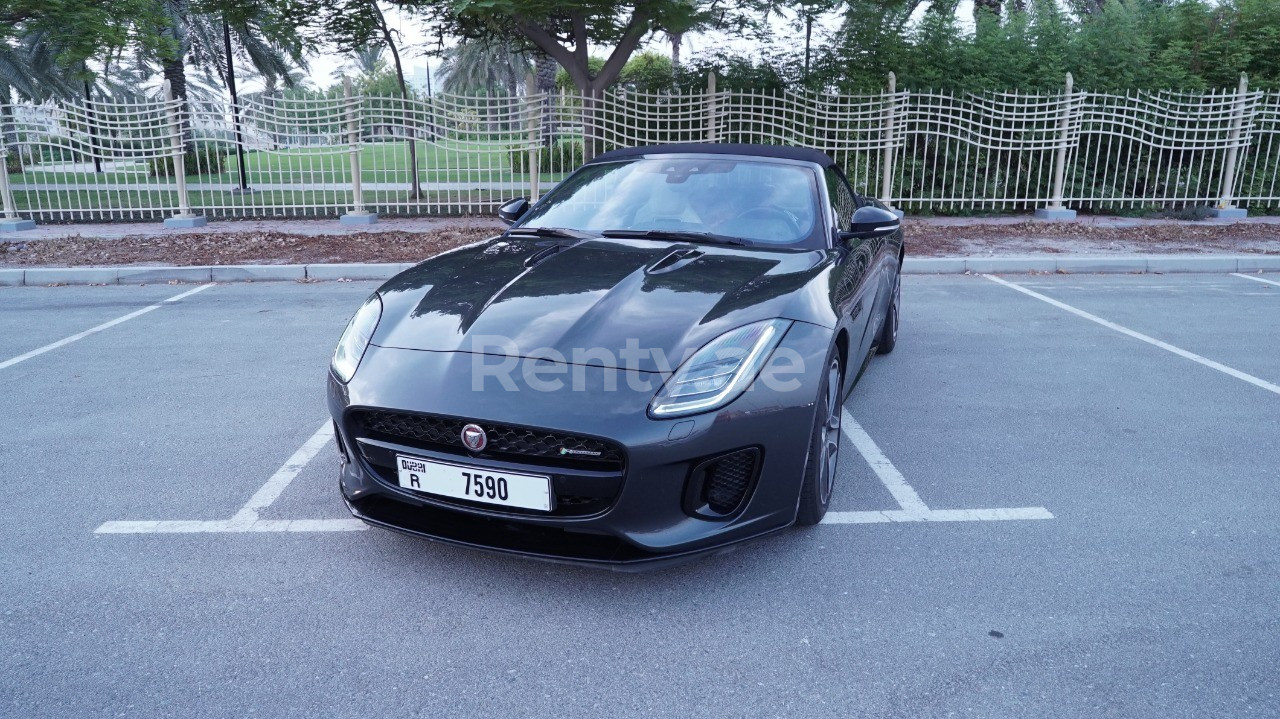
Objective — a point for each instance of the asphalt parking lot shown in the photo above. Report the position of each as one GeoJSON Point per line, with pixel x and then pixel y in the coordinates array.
{"type": "Point", "coordinates": [1053, 504]}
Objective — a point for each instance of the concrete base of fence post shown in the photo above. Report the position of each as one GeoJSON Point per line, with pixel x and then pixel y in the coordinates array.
{"type": "Point", "coordinates": [16, 224]}
{"type": "Point", "coordinates": [1228, 213]}
{"type": "Point", "coordinates": [1055, 214]}
{"type": "Point", "coordinates": [182, 222]}
{"type": "Point", "coordinates": [358, 219]}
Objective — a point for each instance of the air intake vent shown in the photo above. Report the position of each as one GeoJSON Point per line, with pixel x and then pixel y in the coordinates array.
{"type": "Point", "coordinates": [719, 487]}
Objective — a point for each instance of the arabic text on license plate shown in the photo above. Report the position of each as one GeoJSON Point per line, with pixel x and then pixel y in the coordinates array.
{"type": "Point", "coordinates": [474, 483]}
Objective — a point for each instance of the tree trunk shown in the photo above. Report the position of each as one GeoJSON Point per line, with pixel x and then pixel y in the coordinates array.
{"type": "Point", "coordinates": [575, 62]}
{"type": "Point", "coordinates": [808, 38]}
{"type": "Point", "coordinates": [410, 116]}
{"type": "Point", "coordinates": [175, 71]}
{"type": "Point", "coordinates": [92, 128]}
{"type": "Point", "coordinates": [8, 129]}
{"type": "Point", "coordinates": [544, 73]}
{"type": "Point", "coordinates": [677, 39]}
{"type": "Point", "coordinates": [235, 105]}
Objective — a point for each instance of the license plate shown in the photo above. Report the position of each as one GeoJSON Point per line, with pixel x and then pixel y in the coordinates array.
{"type": "Point", "coordinates": [478, 484]}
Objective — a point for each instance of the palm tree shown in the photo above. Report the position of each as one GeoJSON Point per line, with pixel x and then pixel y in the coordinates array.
{"type": "Point", "coordinates": [367, 62]}
{"type": "Point", "coordinates": [28, 72]}
{"type": "Point", "coordinates": [475, 66]}
{"type": "Point", "coordinates": [679, 24]}
{"type": "Point", "coordinates": [126, 77]}
{"type": "Point", "coordinates": [28, 68]}
{"type": "Point", "coordinates": [545, 68]}
{"type": "Point", "coordinates": [203, 41]}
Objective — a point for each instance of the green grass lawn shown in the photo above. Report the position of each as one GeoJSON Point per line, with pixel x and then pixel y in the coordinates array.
{"type": "Point", "coordinates": [144, 204]}
{"type": "Point", "coordinates": [379, 162]}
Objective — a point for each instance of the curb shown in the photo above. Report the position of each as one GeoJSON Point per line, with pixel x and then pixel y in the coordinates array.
{"type": "Point", "coordinates": [1100, 264]}
{"type": "Point", "coordinates": [40, 276]}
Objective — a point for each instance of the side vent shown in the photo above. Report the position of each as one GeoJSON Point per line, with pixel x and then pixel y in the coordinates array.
{"type": "Point", "coordinates": [720, 486]}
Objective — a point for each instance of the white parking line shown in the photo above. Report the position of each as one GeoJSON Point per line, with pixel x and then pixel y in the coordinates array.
{"type": "Point", "coordinates": [246, 520]}
{"type": "Point", "coordinates": [94, 330]}
{"type": "Point", "coordinates": [1255, 279]}
{"type": "Point", "coordinates": [938, 515]}
{"type": "Point", "coordinates": [893, 480]}
{"type": "Point", "coordinates": [1268, 386]}
{"type": "Point", "coordinates": [271, 491]}
{"type": "Point", "coordinates": [230, 525]}
{"type": "Point", "coordinates": [912, 508]}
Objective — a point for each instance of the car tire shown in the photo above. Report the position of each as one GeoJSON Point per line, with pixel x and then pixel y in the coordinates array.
{"type": "Point", "coordinates": [889, 332]}
{"type": "Point", "coordinates": [824, 446]}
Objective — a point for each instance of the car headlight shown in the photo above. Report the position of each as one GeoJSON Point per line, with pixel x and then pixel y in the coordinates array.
{"type": "Point", "coordinates": [716, 374]}
{"type": "Point", "coordinates": [356, 337]}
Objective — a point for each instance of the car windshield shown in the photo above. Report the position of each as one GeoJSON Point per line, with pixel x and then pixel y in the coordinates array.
{"type": "Point", "coordinates": [763, 203]}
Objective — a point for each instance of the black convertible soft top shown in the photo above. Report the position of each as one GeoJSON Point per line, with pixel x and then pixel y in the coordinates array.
{"type": "Point", "coordinates": [786, 152]}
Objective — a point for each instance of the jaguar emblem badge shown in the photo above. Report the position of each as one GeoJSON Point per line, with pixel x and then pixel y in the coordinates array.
{"type": "Point", "coordinates": [474, 438]}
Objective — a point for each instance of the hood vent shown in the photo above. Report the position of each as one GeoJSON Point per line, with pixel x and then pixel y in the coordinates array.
{"type": "Point", "coordinates": [673, 261]}
{"type": "Point", "coordinates": [545, 254]}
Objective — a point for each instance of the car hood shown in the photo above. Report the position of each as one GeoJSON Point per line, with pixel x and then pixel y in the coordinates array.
{"type": "Point", "coordinates": [637, 304]}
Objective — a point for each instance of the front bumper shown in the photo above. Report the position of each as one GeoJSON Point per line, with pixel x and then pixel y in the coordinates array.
{"type": "Point", "coordinates": [647, 519]}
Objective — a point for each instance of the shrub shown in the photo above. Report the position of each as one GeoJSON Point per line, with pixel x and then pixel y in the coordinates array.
{"type": "Point", "coordinates": [203, 160]}
{"type": "Point", "coordinates": [12, 164]}
{"type": "Point", "coordinates": [560, 157]}
{"type": "Point", "coordinates": [56, 149]}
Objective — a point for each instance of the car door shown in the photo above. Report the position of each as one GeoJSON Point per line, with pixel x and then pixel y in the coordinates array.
{"type": "Point", "coordinates": [856, 291]}
{"type": "Point", "coordinates": [884, 264]}
{"type": "Point", "coordinates": [887, 253]}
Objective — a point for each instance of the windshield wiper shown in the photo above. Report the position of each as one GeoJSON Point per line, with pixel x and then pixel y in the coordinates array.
{"type": "Point", "coordinates": [688, 235]}
{"type": "Point", "coordinates": [549, 232]}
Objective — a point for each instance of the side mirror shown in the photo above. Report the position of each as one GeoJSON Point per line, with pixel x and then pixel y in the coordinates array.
{"type": "Point", "coordinates": [871, 221]}
{"type": "Point", "coordinates": [513, 210]}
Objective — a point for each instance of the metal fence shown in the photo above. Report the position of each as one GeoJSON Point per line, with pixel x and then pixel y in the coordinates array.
{"type": "Point", "coordinates": [920, 151]}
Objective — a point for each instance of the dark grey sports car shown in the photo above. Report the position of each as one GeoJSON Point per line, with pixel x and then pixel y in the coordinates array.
{"type": "Point", "coordinates": [649, 364]}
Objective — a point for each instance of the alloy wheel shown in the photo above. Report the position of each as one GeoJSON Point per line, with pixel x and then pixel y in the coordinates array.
{"type": "Point", "coordinates": [830, 452]}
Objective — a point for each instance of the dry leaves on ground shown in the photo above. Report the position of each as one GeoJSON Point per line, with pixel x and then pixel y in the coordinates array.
{"type": "Point", "coordinates": [923, 240]}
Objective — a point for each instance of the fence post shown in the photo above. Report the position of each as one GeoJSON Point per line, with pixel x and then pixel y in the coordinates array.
{"type": "Point", "coordinates": [711, 106]}
{"type": "Point", "coordinates": [358, 215]}
{"type": "Point", "coordinates": [184, 217]}
{"type": "Point", "coordinates": [11, 222]}
{"type": "Point", "coordinates": [886, 176]}
{"type": "Point", "coordinates": [1055, 211]}
{"type": "Point", "coordinates": [535, 147]}
{"type": "Point", "coordinates": [1226, 196]}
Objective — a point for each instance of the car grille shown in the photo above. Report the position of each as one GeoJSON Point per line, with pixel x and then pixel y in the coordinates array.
{"type": "Point", "coordinates": [583, 484]}
{"type": "Point", "coordinates": [505, 441]}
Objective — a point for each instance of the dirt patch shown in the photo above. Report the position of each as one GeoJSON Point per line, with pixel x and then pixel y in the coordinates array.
{"type": "Point", "coordinates": [931, 239]}
{"type": "Point", "coordinates": [237, 248]}
{"type": "Point", "coordinates": [924, 239]}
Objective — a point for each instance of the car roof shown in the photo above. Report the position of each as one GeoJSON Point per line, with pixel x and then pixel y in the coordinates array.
{"type": "Point", "coordinates": [786, 152]}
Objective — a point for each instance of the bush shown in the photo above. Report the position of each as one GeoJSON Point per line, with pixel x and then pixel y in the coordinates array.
{"type": "Point", "coordinates": [12, 164]}
{"type": "Point", "coordinates": [649, 72]}
{"type": "Point", "coordinates": [55, 149]}
{"type": "Point", "coordinates": [203, 160]}
{"type": "Point", "coordinates": [560, 157]}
